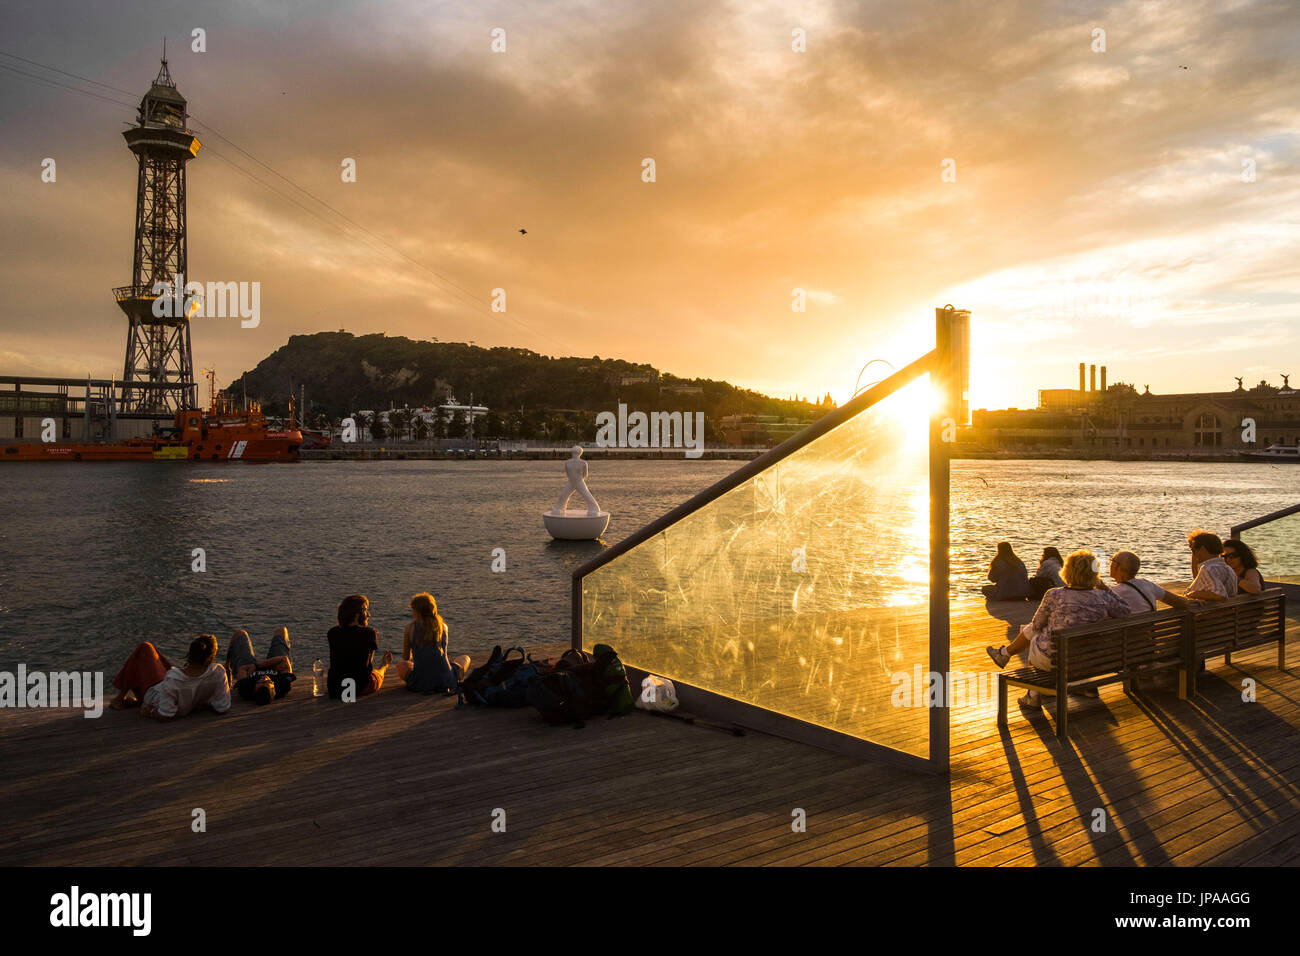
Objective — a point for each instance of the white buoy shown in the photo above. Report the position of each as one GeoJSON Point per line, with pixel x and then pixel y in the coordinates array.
{"type": "Point", "coordinates": [566, 525]}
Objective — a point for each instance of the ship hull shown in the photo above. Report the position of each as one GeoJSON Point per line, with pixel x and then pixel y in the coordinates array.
{"type": "Point", "coordinates": [217, 442]}
{"type": "Point", "coordinates": [255, 451]}
{"type": "Point", "coordinates": [1273, 459]}
{"type": "Point", "coordinates": [1275, 454]}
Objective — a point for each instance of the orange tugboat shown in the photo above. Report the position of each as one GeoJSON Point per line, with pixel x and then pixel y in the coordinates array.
{"type": "Point", "coordinates": [219, 434]}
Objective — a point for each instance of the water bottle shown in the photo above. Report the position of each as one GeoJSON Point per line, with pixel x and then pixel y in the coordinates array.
{"type": "Point", "coordinates": [318, 672]}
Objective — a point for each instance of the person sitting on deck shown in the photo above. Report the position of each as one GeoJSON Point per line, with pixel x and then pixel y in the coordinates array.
{"type": "Point", "coordinates": [1213, 579]}
{"type": "Point", "coordinates": [1048, 575]}
{"type": "Point", "coordinates": [424, 664]}
{"type": "Point", "coordinates": [1009, 576]}
{"type": "Point", "coordinates": [165, 691]}
{"type": "Point", "coordinates": [352, 650]}
{"type": "Point", "coordinates": [1138, 593]}
{"type": "Point", "coordinates": [264, 680]}
{"type": "Point", "coordinates": [1081, 601]}
{"type": "Point", "coordinates": [1239, 556]}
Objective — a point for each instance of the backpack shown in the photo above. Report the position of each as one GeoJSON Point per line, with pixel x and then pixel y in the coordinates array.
{"type": "Point", "coordinates": [614, 686]}
{"type": "Point", "coordinates": [572, 658]}
{"type": "Point", "coordinates": [582, 685]}
{"type": "Point", "coordinates": [560, 697]}
{"type": "Point", "coordinates": [501, 681]}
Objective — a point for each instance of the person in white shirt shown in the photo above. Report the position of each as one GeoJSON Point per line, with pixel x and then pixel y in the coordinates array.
{"type": "Point", "coordinates": [1213, 579]}
{"type": "Point", "coordinates": [199, 681]}
{"type": "Point", "coordinates": [1139, 594]}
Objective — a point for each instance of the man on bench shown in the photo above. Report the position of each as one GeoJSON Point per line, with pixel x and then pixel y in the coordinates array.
{"type": "Point", "coordinates": [1214, 580]}
{"type": "Point", "coordinates": [1138, 593]}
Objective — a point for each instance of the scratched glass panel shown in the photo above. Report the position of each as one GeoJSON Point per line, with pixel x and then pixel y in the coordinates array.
{"type": "Point", "coordinates": [804, 590]}
{"type": "Point", "coordinates": [1277, 547]}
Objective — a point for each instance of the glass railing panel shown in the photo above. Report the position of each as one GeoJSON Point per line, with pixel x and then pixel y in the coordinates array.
{"type": "Point", "coordinates": [1277, 547]}
{"type": "Point", "coordinates": [803, 590]}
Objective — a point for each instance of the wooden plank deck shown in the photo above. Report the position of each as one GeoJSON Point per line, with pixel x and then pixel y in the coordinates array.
{"type": "Point", "coordinates": [404, 779]}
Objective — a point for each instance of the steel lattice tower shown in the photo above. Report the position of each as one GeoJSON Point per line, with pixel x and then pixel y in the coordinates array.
{"type": "Point", "coordinates": [159, 372]}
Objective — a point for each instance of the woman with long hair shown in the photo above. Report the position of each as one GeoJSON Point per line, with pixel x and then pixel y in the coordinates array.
{"type": "Point", "coordinates": [1009, 576]}
{"type": "Point", "coordinates": [164, 690]}
{"type": "Point", "coordinates": [1241, 558]}
{"type": "Point", "coordinates": [424, 664]}
{"type": "Point", "coordinates": [1048, 575]}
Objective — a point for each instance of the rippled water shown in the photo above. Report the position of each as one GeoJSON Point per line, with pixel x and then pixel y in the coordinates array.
{"type": "Point", "coordinates": [1147, 507]}
{"type": "Point", "coordinates": [94, 559]}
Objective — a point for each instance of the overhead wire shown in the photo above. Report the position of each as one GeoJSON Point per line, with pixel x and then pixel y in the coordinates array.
{"type": "Point", "coordinates": [450, 287]}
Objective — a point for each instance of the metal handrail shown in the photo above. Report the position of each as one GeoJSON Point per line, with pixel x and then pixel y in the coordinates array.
{"type": "Point", "coordinates": [123, 292]}
{"type": "Point", "coordinates": [826, 423]}
{"type": "Point", "coordinates": [1256, 522]}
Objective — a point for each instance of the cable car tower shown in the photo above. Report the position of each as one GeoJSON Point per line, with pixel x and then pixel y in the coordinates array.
{"type": "Point", "coordinates": [158, 378]}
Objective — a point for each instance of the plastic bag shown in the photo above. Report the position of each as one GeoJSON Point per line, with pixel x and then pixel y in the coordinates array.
{"type": "Point", "coordinates": [657, 693]}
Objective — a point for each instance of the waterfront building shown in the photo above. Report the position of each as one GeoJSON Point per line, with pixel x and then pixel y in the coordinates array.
{"type": "Point", "coordinates": [1120, 418]}
{"type": "Point", "coordinates": [758, 429]}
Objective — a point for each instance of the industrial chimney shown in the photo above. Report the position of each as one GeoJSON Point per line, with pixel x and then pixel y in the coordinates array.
{"type": "Point", "coordinates": [1082, 380]}
{"type": "Point", "coordinates": [1092, 370]}
{"type": "Point", "coordinates": [1103, 378]}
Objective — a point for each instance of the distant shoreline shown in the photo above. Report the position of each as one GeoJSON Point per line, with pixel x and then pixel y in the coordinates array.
{"type": "Point", "coordinates": [383, 453]}
{"type": "Point", "coordinates": [1075, 454]}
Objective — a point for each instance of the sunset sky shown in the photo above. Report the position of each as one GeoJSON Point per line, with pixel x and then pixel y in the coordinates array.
{"type": "Point", "coordinates": [1099, 211]}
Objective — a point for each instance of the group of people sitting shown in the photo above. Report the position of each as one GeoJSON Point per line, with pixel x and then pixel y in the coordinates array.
{"type": "Point", "coordinates": [1220, 570]}
{"type": "Point", "coordinates": [424, 666]}
{"type": "Point", "coordinates": [164, 691]}
{"type": "Point", "coordinates": [1012, 582]}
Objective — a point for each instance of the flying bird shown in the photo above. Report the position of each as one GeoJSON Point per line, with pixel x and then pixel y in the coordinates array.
{"type": "Point", "coordinates": [523, 232]}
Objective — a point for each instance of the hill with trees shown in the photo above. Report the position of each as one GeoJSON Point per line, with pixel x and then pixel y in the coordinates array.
{"type": "Point", "coordinates": [530, 395]}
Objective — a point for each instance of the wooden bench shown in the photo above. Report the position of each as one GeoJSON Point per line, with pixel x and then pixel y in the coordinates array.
{"type": "Point", "coordinates": [1115, 650]}
{"type": "Point", "coordinates": [1250, 620]}
{"type": "Point", "coordinates": [1121, 650]}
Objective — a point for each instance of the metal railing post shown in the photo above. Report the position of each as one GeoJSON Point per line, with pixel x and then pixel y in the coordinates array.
{"type": "Point", "coordinates": [946, 380]}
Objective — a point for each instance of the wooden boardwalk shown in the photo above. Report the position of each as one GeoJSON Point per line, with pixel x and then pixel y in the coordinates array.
{"type": "Point", "coordinates": [403, 779]}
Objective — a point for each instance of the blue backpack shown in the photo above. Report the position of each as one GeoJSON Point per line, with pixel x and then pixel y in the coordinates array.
{"type": "Point", "coordinates": [500, 682]}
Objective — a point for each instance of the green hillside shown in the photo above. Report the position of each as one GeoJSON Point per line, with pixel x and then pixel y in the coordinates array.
{"type": "Point", "coordinates": [529, 394]}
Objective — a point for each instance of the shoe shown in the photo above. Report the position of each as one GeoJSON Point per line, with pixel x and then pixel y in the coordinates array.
{"type": "Point", "coordinates": [999, 655]}
{"type": "Point", "coordinates": [1031, 700]}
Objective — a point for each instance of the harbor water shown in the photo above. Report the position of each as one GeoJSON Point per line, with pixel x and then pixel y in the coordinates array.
{"type": "Point", "coordinates": [96, 558]}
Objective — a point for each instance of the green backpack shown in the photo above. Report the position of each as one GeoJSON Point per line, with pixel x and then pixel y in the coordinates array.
{"type": "Point", "coordinates": [613, 680]}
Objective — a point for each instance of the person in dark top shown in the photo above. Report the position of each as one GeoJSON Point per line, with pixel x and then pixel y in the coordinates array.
{"type": "Point", "coordinates": [1009, 576]}
{"type": "Point", "coordinates": [264, 686]}
{"type": "Point", "coordinates": [264, 680]}
{"type": "Point", "coordinates": [352, 649]}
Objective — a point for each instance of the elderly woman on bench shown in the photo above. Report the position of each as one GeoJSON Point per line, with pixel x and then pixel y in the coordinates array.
{"type": "Point", "coordinates": [1083, 600]}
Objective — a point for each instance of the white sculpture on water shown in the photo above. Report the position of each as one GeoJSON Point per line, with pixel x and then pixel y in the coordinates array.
{"type": "Point", "coordinates": [576, 471]}
{"type": "Point", "coordinates": [576, 525]}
